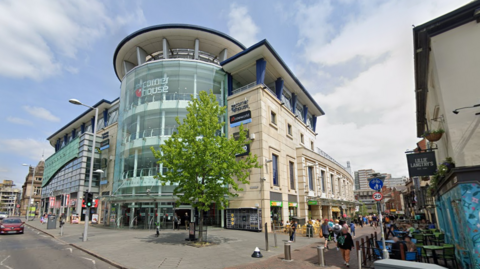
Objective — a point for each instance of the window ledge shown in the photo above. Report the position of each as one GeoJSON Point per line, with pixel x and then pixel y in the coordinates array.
{"type": "Point", "coordinates": [290, 136]}
{"type": "Point", "coordinates": [274, 126]}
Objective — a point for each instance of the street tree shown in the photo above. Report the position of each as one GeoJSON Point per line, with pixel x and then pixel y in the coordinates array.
{"type": "Point", "coordinates": [201, 161]}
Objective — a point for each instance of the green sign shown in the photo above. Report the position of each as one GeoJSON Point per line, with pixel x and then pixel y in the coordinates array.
{"type": "Point", "coordinates": [312, 202]}
{"type": "Point", "coordinates": [292, 204]}
{"type": "Point", "coordinates": [59, 159]}
{"type": "Point", "coordinates": [275, 203]}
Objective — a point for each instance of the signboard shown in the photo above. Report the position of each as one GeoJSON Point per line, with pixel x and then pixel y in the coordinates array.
{"type": "Point", "coordinates": [376, 184]}
{"type": "Point", "coordinates": [236, 135]}
{"type": "Point", "coordinates": [152, 86]}
{"type": "Point", "coordinates": [421, 164]}
{"type": "Point", "coordinates": [246, 148]}
{"type": "Point", "coordinates": [312, 202]}
{"type": "Point", "coordinates": [105, 135]}
{"type": "Point", "coordinates": [393, 210]}
{"type": "Point", "coordinates": [293, 204]}
{"type": "Point", "coordinates": [103, 182]}
{"type": "Point", "coordinates": [377, 196]}
{"type": "Point", "coordinates": [240, 106]}
{"type": "Point", "coordinates": [94, 218]}
{"type": "Point", "coordinates": [105, 144]}
{"type": "Point", "coordinates": [51, 203]}
{"type": "Point", "coordinates": [74, 219]}
{"type": "Point", "coordinates": [275, 203]}
{"type": "Point", "coordinates": [243, 117]}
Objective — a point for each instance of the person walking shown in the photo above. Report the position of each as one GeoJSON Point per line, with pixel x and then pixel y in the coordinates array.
{"type": "Point", "coordinates": [186, 221]}
{"type": "Point", "coordinates": [374, 222]}
{"type": "Point", "coordinates": [345, 243]}
{"type": "Point", "coordinates": [293, 229]}
{"type": "Point", "coordinates": [326, 230]}
{"type": "Point", "coordinates": [176, 224]}
{"type": "Point", "coordinates": [352, 228]}
{"type": "Point", "coordinates": [360, 220]}
{"type": "Point", "coordinates": [337, 230]}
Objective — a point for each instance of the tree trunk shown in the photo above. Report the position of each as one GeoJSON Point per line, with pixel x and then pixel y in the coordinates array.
{"type": "Point", "coordinates": [200, 227]}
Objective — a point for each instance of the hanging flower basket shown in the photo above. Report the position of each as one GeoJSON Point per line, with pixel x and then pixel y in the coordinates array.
{"type": "Point", "coordinates": [434, 137]}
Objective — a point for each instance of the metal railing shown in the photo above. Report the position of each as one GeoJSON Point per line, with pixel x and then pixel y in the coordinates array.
{"type": "Point", "coordinates": [167, 131]}
{"type": "Point", "coordinates": [186, 54]}
{"type": "Point", "coordinates": [326, 156]}
{"type": "Point", "coordinates": [161, 97]}
{"type": "Point", "coordinates": [244, 88]}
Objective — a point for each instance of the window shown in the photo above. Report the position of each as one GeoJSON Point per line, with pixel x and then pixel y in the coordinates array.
{"type": "Point", "coordinates": [323, 180]}
{"type": "Point", "coordinates": [275, 169]}
{"type": "Point", "coordinates": [311, 145]}
{"type": "Point", "coordinates": [273, 117]}
{"type": "Point", "coordinates": [302, 138]}
{"type": "Point", "coordinates": [289, 129]}
{"type": "Point", "coordinates": [310, 177]}
{"type": "Point", "coordinates": [331, 182]}
{"type": "Point", "coordinates": [291, 168]}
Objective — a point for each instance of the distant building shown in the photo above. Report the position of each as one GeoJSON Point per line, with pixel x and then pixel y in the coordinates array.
{"type": "Point", "coordinates": [8, 197]}
{"type": "Point", "coordinates": [394, 182]}
{"type": "Point", "coordinates": [363, 176]}
{"type": "Point", "coordinates": [36, 192]}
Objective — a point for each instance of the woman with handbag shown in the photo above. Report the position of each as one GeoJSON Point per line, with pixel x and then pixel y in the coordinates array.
{"type": "Point", "coordinates": [325, 232]}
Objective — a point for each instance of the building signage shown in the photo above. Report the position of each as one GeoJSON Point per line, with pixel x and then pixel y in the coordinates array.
{"type": "Point", "coordinates": [105, 144]}
{"type": "Point", "coordinates": [103, 182]}
{"type": "Point", "coordinates": [246, 148]}
{"type": "Point", "coordinates": [243, 117]}
{"type": "Point", "coordinates": [292, 205]}
{"type": "Point", "coordinates": [51, 203]}
{"type": "Point", "coordinates": [236, 135]}
{"type": "Point", "coordinates": [240, 106]}
{"type": "Point", "coordinates": [312, 202]}
{"type": "Point", "coordinates": [152, 86]}
{"type": "Point", "coordinates": [421, 164]}
{"type": "Point", "coordinates": [275, 203]}
{"type": "Point", "coordinates": [105, 135]}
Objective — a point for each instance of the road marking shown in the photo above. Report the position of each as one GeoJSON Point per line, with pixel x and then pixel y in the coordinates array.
{"type": "Point", "coordinates": [93, 261]}
{"type": "Point", "coordinates": [70, 249]}
{"type": "Point", "coordinates": [6, 266]}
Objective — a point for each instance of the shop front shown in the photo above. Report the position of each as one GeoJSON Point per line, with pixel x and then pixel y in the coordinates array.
{"type": "Point", "coordinates": [336, 212]}
{"type": "Point", "coordinates": [314, 208]}
{"type": "Point", "coordinates": [276, 215]}
{"type": "Point", "coordinates": [292, 210]}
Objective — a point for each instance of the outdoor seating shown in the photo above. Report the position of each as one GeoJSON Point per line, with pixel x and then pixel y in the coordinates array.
{"type": "Point", "coordinates": [377, 254]}
{"type": "Point", "coordinates": [411, 256]}
{"type": "Point", "coordinates": [418, 237]}
{"type": "Point", "coordinates": [426, 254]}
{"type": "Point", "coordinates": [448, 254]}
{"type": "Point", "coordinates": [439, 239]}
{"type": "Point", "coordinates": [419, 253]}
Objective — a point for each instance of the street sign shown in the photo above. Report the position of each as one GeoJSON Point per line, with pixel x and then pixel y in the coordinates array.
{"type": "Point", "coordinates": [344, 206]}
{"type": "Point", "coordinates": [376, 184]}
{"type": "Point", "coordinates": [377, 196]}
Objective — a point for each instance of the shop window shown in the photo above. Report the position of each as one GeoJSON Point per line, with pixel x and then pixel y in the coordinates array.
{"type": "Point", "coordinates": [310, 177]}
{"type": "Point", "coordinates": [289, 129]}
{"type": "Point", "coordinates": [273, 117]}
{"type": "Point", "coordinates": [275, 169]}
{"type": "Point", "coordinates": [291, 167]}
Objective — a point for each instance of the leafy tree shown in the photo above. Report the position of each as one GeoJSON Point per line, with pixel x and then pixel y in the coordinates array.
{"type": "Point", "coordinates": [363, 209]}
{"type": "Point", "coordinates": [200, 161]}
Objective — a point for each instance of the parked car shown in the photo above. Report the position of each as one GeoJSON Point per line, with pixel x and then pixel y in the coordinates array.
{"type": "Point", "coordinates": [11, 226]}
{"type": "Point", "coordinates": [3, 215]}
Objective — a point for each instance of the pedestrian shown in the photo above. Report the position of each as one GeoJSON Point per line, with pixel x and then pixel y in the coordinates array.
{"type": "Point", "coordinates": [176, 224]}
{"type": "Point", "coordinates": [326, 231]}
{"type": "Point", "coordinates": [374, 222]}
{"type": "Point", "coordinates": [345, 243]}
{"type": "Point", "coordinates": [389, 232]}
{"type": "Point", "coordinates": [410, 245]}
{"type": "Point", "coordinates": [370, 220]}
{"type": "Point", "coordinates": [337, 230]}
{"type": "Point", "coordinates": [186, 221]}
{"type": "Point", "coordinates": [360, 220]}
{"type": "Point", "coordinates": [293, 229]}
{"type": "Point", "coordinates": [352, 228]}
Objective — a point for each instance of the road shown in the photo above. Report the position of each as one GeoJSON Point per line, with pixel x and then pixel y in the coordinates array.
{"type": "Point", "coordinates": [36, 250]}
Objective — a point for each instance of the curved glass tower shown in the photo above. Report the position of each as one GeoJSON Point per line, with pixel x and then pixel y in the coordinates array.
{"type": "Point", "coordinates": [161, 68]}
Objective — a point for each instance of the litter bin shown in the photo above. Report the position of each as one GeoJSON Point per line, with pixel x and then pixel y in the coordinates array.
{"type": "Point", "coordinates": [52, 222]}
{"type": "Point", "coordinates": [309, 230]}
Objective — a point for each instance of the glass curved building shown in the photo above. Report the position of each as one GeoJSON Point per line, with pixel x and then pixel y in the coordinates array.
{"type": "Point", "coordinates": [161, 68]}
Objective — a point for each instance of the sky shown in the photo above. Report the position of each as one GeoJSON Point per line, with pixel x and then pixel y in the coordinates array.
{"type": "Point", "coordinates": [354, 57]}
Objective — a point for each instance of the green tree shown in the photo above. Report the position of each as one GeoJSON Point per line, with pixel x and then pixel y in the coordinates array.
{"type": "Point", "coordinates": [200, 161]}
{"type": "Point", "coordinates": [363, 209]}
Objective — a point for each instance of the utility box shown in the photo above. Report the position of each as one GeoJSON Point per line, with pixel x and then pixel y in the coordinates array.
{"type": "Point", "coordinates": [52, 222]}
{"type": "Point", "coordinates": [399, 264]}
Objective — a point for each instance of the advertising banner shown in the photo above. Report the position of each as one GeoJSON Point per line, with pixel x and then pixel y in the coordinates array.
{"type": "Point", "coordinates": [421, 164]}
{"type": "Point", "coordinates": [237, 119]}
{"type": "Point", "coordinates": [94, 218]}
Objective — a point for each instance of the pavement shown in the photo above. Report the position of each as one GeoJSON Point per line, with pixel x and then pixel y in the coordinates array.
{"type": "Point", "coordinates": [37, 250]}
{"type": "Point", "coordinates": [230, 248]}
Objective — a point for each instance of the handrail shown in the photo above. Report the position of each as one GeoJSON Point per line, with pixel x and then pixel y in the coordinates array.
{"type": "Point", "coordinates": [118, 221]}
{"type": "Point", "coordinates": [131, 222]}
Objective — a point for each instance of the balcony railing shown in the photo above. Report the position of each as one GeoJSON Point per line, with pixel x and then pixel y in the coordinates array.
{"type": "Point", "coordinates": [185, 54]}
{"type": "Point", "coordinates": [244, 88]}
{"type": "Point", "coordinates": [326, 156]}
{"type": "Point", "coordinates": [167, 131]}
{"type": "Point", "coordinates": [143, 172]}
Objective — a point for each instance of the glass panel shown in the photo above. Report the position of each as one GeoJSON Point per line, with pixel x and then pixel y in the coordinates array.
{"type": "Point", "coordinates": [310, 177]}
{"type": "Point", "coordinates": [275, 169]}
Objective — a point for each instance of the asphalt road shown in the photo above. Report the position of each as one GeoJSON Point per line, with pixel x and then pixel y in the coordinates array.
{"type": "Point", "coordinates": [36, 250]}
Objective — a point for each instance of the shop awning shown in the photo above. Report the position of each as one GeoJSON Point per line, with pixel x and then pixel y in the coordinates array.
{"type": "Point", "coordinates": [335, 209]}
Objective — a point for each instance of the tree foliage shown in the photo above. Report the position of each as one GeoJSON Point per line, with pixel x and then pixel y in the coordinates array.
{"type": "Point", "coordinates": [200, 160]}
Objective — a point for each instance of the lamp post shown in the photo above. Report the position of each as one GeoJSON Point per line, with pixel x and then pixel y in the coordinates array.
{"type": "Point", "coordinates": [31, 193]}
{"type": "Point", "coordinates": [87, 214]}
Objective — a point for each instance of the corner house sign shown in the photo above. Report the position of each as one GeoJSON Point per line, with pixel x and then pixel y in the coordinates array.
{"type": "Point", "coordinates": [152, 86]}
{"type": "Point", "coordinates": [240, 106]}
{"type": "Point", "coordinates": [421, 164]}
{"type": "Point", "coordinates": [243, 117]}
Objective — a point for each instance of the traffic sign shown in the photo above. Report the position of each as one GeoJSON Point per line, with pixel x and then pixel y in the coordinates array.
{"type": "Point", "coordinates": [376, 184]}
{"type": "Point", "coordinates": [377, 196]}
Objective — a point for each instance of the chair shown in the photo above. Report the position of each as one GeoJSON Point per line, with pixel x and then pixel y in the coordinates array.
{"type": "Point", "coordinates": [426, 254]}
{"type": "Point", "coordinates": [411, 256]}
{"type": "Point", "coordinates": [439, 240]}
{"type": "Point", "coordinates": [414, 240]}
{"type": "Point", "coordinates": [377, 254]}
{"type": "Point", "coordinates": [419, 252]}
{"type": "Point", "coordinates": [448, 254]}
{"type": "Point", "coordinates": [418, 237]}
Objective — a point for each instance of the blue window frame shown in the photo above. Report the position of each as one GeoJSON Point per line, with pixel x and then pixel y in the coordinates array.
{"type": "Point", "coordinates": [310, 177]}
{"type": "Point", "coordinates": [275, 169]}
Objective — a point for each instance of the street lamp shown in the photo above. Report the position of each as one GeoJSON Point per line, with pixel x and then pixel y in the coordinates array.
{"type": "Point", "coordinates": [31, 193]}
{"type": "Point", "coordinates": [87, 214]}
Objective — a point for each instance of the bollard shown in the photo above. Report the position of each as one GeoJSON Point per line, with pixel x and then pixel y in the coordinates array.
{"type": "Point", "coordinates": [266, 237]}
{"type": "Point", "coordinates": [288, 253]}
{"type": "Point", "coordinates": [359, 255]}
{"type": "Point", "coordinates": [274, 236]}
{"type": "Point", "coordinates": [321, 258]}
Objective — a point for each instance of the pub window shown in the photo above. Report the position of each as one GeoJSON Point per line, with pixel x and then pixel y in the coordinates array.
{"type": "Point", "coordinates": [275, 169]}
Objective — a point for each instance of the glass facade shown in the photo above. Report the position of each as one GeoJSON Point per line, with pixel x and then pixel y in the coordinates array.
{"type": "Point", "coordinates": [152, 96]}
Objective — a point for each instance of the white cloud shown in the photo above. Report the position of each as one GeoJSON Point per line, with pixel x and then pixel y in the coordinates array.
{"type": "Point", "coordinates": [19, 121]}
{"type": "Point", "coordinates": [241, 25]}
{"type": "Point", "coordinates": [38, 35]}
{"type": "Point", "coordinates": [30, 149]}
{"type": "Point", "coordinates": [41, 113]}
{"type": "Point", "coordinates": [4, 170]}
{"type": "Point", "coordinates": [370, 117]}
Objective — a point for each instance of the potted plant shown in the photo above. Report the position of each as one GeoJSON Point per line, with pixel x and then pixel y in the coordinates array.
{"type": "Point", "coordinates": [434, 135]}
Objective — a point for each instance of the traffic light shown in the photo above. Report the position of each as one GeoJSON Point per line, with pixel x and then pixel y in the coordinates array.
{"type": "Point", "coordinates": [88, 199]}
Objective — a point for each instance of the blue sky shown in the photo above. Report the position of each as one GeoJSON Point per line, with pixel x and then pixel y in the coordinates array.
{"type": "Point", "coordinates": [355, 57]}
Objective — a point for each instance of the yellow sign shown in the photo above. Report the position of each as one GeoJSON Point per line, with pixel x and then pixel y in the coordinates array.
{"type": "Point", "coordinates": [335, 209]}
{"type": "Point", "coordinates": [232, 214]}
{"type": "Point", "coordinates": [233, 219]}
{"type": "Point", "coordinates": [393, 210]}
{"type": "Point", "coordinates": [233, 223]}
